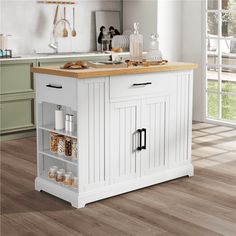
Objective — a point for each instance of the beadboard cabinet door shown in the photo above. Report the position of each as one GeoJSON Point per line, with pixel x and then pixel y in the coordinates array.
{"type": "Point", "coordinates": [155, 124]}
{"type": "Point", "coordinates": [124, 140]}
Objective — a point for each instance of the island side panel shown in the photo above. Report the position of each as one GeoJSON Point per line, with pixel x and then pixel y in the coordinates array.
{"type": "Point", "coordinates": [93, 120]}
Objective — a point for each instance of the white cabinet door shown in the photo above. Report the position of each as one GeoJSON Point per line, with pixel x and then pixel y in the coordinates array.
{"type": "Point", "coordinates": [124, 122]}
{"type": "Point", "coordinates": [155, 124]}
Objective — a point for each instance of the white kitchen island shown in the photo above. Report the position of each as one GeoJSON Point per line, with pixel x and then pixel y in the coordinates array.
{"type": "Point", "coordinates": [133, 127]}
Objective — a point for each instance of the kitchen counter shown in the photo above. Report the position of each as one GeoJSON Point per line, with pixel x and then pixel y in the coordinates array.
{"type": "Point", "coordinates": [95, 72]}
{"type": "Point", "coordinates": [60, 55]}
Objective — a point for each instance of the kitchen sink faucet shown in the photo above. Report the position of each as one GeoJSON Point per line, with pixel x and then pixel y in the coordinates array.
{"type": "Point", "coordinates": [54, 44]}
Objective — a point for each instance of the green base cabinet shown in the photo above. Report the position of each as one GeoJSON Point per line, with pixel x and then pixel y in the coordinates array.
{"type": "Point", "coordinates": [17, 94]}
{"type": "Point", "coordinates": [17, 97]}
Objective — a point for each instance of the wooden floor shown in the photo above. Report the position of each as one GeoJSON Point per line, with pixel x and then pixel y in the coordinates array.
{"type": "Point", "coordinates": [202, 205]}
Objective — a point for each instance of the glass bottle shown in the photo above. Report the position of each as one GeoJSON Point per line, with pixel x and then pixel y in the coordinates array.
{"type": "Point", "coordinates": [136, 45]}
{"type": "Point", "coordinates": [154, 53]}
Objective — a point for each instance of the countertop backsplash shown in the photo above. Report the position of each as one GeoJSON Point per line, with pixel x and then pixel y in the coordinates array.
{"type": "Point", "coordinates": [31, 25]}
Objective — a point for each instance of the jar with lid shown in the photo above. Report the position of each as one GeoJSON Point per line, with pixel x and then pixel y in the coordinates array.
{"type": "Point", "coordinates": [60, 176]}
{"type": "Point", "coordinates": [68, 146]}
{"type": "Point", "coordinates": [68, 178]}
{"type": "Point", "coordinates": [75, 182]}
{"type": "Point", "coordinates": [52, 173]}
{"type": "Point", "coordinates": [61, 145]}
{"type": "Point", "coordinates": [53, 142]}
{"type": "Point", "coordinates": [74, 149]}
{"type": "Point", "coordinates": [154, 53]}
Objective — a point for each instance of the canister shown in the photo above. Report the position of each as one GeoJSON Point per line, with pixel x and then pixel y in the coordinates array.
{"type": "Point", "coordinates": [74, 149]}
{"type": "Point", "coordinates": [52, 173]}
{"type": "Point", "coordinates": [61, 145]}
{"type": "Point", "coordinates": [68, 146]}
{"type": "Point", "coordinates": [53, 142]}
{"type": "Point", "coordinates": [68, 178]}
{"type": "Point", "coordinates": [60, 176]}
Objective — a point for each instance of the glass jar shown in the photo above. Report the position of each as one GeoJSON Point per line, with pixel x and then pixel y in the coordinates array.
{"type": "Point", "coordinates": [154, 53]}
{"type": "Point", "coordinates": [68, 178]}
{"type": "Point", "coordinates": [52, 173]}
{"type": "Point", "coordinates": [74, 149]}
{"type": "Point", "coordinates": [53, 142]}
{"type": "Point", "coordinates": [61, 145]}
{"type": "Point", "coordinates": [75, 182]}
{"type": "Point", "coordinates": [68, 146]}
{"type": "Point", "coordinates": [60, 176]}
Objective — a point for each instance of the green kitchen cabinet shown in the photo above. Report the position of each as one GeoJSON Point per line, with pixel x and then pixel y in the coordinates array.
{"type": "Point", "coordinates": [16, 98]}
{"type": "Point", "coordinates": [16, 77]}
{"type": "Point", "coordinates": [17, 112]}
{"type": "Point", "coordinates": [17, 94]}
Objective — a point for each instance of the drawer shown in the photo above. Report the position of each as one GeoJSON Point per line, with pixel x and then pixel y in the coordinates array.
{"type": "Point", "coordinates": [17, 115]}
{"type": "Point", "coordinates": [56, 90]}
{"type": "Point", "coordinates": [16, 77]}
{"type": "Point", "coordinates": [138, 85]}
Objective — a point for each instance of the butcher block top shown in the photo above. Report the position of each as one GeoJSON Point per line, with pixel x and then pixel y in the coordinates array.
{"type": "Point", "coordinates": [101, 72]}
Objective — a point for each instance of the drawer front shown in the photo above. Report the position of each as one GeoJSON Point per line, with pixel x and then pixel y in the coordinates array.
{"type": "Point", "coordinates": [17, 115]}
{"type": "Point", "coordinates": [16, 77]}
{"type": "Point", "coordinates": [57, 90]}
{"type": "Point", "coordinates": [138, 85]}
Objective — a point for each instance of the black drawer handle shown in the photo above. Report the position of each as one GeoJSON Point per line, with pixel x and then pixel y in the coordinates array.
{"type": "Point", "coordinates": [142, 84]}
{"type": "Point", "coordinates": [54, 86]}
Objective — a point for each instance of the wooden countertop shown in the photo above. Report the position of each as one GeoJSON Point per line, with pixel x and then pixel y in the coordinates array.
{"type": "Point", "coordinates": [92, 72]}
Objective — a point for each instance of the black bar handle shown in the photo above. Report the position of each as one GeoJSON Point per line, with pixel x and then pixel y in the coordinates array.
{"type": "Point", "coordinates": [145, 139]}
{"type": "Point", "coordinates": [142, 84]}
{"type": "Point", "coordinates": [54, 86]}
{"type": "Point", "coordinates": [140, 140]}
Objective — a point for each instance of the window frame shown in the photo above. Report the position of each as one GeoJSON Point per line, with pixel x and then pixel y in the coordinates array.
{"type": "Point", "coordinates": [218, 66]}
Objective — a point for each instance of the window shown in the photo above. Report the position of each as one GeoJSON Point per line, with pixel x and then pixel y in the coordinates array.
{"type": "Point", "coordinates": [221, 60]}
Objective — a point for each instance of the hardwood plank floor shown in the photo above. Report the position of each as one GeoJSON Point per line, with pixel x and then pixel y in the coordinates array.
{"type": "Point", "coordinates": [202, 205]}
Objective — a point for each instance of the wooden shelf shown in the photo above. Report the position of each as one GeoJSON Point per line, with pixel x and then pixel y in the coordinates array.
{"type": "Point", "coordinates": [48, 153]}
{"type": "Point", "coordinates": [57, 2]}
{"type": "Point", "coordinates": [50, 128]}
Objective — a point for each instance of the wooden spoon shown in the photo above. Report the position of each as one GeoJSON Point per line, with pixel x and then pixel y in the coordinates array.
{"type": "Point", "coordinates": [73, 31]}
{"type": "Point", "coordinates": [65, 31]}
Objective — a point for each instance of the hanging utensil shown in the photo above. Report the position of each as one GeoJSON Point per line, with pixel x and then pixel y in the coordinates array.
{"type": "Point", "coordinates": [73, 31]}
{"type": "Point", "coordinates": [55, 17]}
{"type": "Point", "coordinates": [65, 31]}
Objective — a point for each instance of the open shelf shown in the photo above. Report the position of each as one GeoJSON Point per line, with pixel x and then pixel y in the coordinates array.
{"type": "Point", "coordinates": [44, 176]}
{"type": "Point", "coordinates": [58, 157]}
{"type": "Point", "coordinates": [50, 128]}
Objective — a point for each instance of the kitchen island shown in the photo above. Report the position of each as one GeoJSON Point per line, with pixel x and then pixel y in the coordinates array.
{"type": "Point", "coordinates": [132, 128]}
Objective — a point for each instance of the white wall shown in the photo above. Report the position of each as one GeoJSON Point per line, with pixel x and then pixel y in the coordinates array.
{"type": "Point", "coordinates": [192, 51]}
{"type": "Point", "coordinates": [30, 24]}
{"type": "Point", "coordinates": [170, 28]}
{"type": "Point", "coordinates": [144, 12]}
